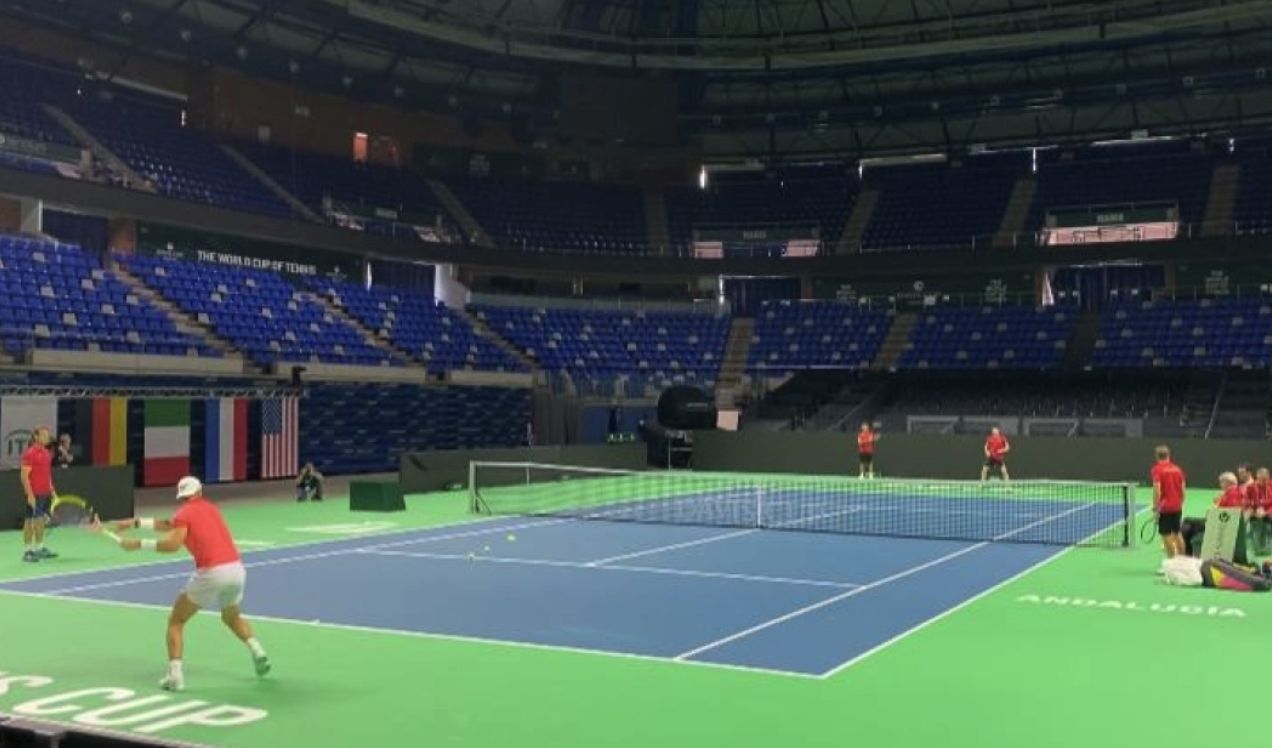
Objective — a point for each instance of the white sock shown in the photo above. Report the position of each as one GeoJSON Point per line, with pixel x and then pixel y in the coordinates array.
{"type": "Point", "coordinates": [174, 669]}
{"type": "Point", "coordinates": [30, 546]}
{"type": "Point", "coordinates": [255, 646]}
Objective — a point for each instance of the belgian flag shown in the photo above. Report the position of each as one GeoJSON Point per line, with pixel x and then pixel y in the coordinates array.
{"type": "Point", "coordinates": [101, 427]}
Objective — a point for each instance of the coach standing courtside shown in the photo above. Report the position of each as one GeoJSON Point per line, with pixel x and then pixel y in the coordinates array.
{"type": "Point", "coordinates": [37, 485]}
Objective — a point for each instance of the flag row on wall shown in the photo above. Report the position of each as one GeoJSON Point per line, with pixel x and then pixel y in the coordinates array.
{"type": "Point", "coordinates": [101, 433]}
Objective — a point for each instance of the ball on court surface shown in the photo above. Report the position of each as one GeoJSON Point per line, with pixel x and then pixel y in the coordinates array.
{"type": "Point", "coordinates": [512, 538]}
{"type": "Point", "coordinates": [485, 549]}
{"type": "Point", "coordinates": [472, 556]}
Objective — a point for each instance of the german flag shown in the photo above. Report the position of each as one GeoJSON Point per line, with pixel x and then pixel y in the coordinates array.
{"type": "Point", "coordinates": [101, 427]}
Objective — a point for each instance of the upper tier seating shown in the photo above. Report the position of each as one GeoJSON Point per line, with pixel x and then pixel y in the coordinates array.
{"type": "Point", "coordinates": [992, 337]}
{"type": "Point", "coordinates": [791, 335]}
{"type": "Point", "coordinates": [663, 347]}
{"type": "Point", "coordinates": [939, 205]}
{"type": "Point", "coordinates": [419, 325]}
{"type": "Point", "coordinates": [260, 313]}
{"type": "Point", "coordinates": [179, 161]}
{"type": "Point", "coordinates": [57, 296]}
{"type": "Point", "coordinates": [314, 177]}
{"type": "Point", "coordinates": [1195, 334]}
{"type": "Point", "coordinates": [538, 216]}
{"type": "Point", "coordinates": [1252, 210]}
{"type": "Point", "coordinates": [1104, 176]}
{"type": "Point", "coordinates": [808, 197]}
{"type": "Point", "coordinates": [24, 85]}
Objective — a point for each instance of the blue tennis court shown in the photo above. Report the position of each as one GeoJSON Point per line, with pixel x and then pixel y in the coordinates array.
{"type": "Point", "coordinates": [797, 603]}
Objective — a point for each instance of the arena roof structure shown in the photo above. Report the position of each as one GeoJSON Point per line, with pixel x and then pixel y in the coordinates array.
{"type": "Point", "coordinates": [750, 78]}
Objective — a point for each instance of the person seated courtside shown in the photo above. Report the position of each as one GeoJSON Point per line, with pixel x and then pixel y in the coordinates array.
{"type": "Point", "coordinates": [309, 484]}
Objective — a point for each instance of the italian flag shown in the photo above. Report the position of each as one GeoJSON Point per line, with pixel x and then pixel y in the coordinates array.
{"type": "Point", "coordinates": [167, 451]}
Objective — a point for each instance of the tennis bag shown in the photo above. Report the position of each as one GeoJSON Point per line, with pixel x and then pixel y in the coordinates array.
{"type": "Point", "coordinates": [1225, 575]}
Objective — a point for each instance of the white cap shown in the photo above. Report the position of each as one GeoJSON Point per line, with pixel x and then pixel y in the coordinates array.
{"type": "Point", "coordinates": [188, 486]}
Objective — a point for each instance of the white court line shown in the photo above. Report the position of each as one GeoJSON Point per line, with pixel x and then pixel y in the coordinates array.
{"type": "Point", "coordinates": [673, 547]}
{"type": "Point", "coordinates": [615, 567]}
{"type": "Point", "coordinates": [533, 646]}
{"type": "Point", "coordinates": [866, 588]}
{"type": "Point", "coordinates": [280, 547]}
{"type": "Point", "coordinates": [303, 557]}
{"type": "Point", "coordinates": [950, 611]}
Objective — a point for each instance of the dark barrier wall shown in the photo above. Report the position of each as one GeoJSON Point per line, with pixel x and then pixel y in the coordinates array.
{"type": "Point", "coordinates": [108, 489]}
{"type": "Point", "coordinates": [955, 457]}
{"type": "Point", "coordinates": [431, 471]}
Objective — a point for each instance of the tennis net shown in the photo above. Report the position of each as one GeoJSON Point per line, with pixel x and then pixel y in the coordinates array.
{"type": "Point", "coordinates": [1039, 511]}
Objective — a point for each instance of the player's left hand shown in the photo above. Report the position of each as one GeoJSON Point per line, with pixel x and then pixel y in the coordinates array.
{"type": "Point", "coordinates": [130, 544]}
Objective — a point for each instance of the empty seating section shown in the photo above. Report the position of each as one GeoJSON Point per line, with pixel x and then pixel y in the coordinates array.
{"type": "Point", "coordinates": [1103, 176]}
{"type": "Point", "coordinates": [658, 347]}
{"type": "Point", "coordinates": [939, 205]}
{"type": "Point", "coordinates": [540, 216]}
{"type": "Point", "coordinates": [419, 325]}
{"type": "Point", "coordinates": [1196, 334]}
{"type": "Point", "coordinates": [367, 427]}
{"type": "Point", "coordinates": [1252, 210]}
{"type": "Point", "coordinates": [260, 313]}
{"type": "Point", "coordinates": [793, 335]}
{"type": "Point", "coordinates": [314, 177]}
{"type": "Point", "coordinates": [179, 161]}
{"type": "Point", "coordinates": [21, 114]}
{"type": "Point", "coordinates": [1000, 337]}
{"type": "Point", "coordinates": [816, 197]}
{"type": "Point", "coordinates": [57, 296]}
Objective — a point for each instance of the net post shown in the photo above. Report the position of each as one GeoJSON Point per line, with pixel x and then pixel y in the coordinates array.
{"type": "Point", "coordinates": [472, 486]}
{"type": "Point", "coordinates": [1128, 510]}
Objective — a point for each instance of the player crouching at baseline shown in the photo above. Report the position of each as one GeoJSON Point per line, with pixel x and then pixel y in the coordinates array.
{"type": "Point", "coordinates": [218, 580]}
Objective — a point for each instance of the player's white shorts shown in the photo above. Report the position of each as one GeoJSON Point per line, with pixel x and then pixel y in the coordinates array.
{"type": "Point", "coordinates": [218, 587]}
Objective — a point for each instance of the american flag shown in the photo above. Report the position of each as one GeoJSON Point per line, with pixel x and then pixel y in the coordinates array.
{"type": "Point", "coordinates": [279, 429]}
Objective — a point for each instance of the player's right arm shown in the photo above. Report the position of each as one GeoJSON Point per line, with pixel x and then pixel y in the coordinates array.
{"type": "Point", "coordinates": [132, 523]}
{"type": "Point", "coordinates": [170, 543]}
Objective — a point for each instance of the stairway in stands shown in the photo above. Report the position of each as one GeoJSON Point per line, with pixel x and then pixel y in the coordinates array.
{"type": "Point", "coordinates": [472, 229]}
{"type": "Point", "coordinates": [736, 352]}
{"type": "Point", "coordinates": [656, 232]}
{"type": "Point", "coordinates": [1080, 346]}
{"type": "Point", "coordinates": [184, 322]}
{"type": "Point", "coordinates": [1017, 211]}
{"type": "Point", "coordinates": [481, 328]}
{"type": "Point", "coordinates": [270, 184]}
{"type": "Point", "coordinates": [896, 343]}
{"type": "Point", "coordinates": [1221, 200]}
{"type": "Point", "coordinates": [858, 220]}
{"type": "Point", "coordinates": [373, 337]}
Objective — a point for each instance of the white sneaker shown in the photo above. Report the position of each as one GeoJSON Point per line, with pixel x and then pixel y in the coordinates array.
{"type": "Point", "coordinates": [262, 665]}
{"type": "Point", "coordinates": [172, 682]}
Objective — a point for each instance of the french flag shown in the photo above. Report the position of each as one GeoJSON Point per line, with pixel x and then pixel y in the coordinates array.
{"type": "Point", "coordinates": [226, 442]}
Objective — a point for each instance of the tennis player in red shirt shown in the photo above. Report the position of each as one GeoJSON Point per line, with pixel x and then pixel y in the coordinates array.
{"type": "Point", "coordinates": [36, 476]}
{"type": "Point", "coordinates": [217, 582]}
{"type": "Point", "coordinates": [996, 449]}
{"type": "Point", "coordinates": [866, 438]}
{"type": "Point", "coordinates": [1168, 501]}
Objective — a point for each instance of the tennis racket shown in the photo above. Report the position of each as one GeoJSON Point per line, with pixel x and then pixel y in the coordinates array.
{"type": "Point", "coordinates": [72, 511]}
{"type": "Point", "coordinates": [1148, 529]}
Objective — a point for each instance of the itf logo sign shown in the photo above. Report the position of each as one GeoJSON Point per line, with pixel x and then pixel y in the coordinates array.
{"type": "Point", "coordinates": [15, 443]}
{"type": "Point", "coordinates": [18, 418]}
